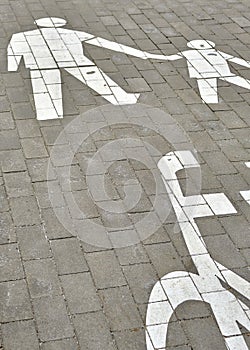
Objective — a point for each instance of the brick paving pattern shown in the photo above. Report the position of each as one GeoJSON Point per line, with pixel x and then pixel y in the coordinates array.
{"type": "Point", "coordinates": [60, 293]}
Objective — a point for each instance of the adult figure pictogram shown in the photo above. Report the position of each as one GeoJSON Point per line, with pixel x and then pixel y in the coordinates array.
{"type": "Point", "coordinates": [49, 49]}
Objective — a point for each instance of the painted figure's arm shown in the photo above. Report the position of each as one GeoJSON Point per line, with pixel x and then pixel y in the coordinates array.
{"type": "Point", "coordinates": [13, 58]}
{"type": "Point", "coordinates": [175, 57]}
{"type": "Point", "coordinates": [111, 45]}
{"type": "Point", "coordinates": [236, 60]}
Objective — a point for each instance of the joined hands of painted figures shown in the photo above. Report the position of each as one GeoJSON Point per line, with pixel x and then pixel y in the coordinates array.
{"type": "Point", "coordinates": [178, 287]}
{"type": "Point", "coordinates": [50, 48]}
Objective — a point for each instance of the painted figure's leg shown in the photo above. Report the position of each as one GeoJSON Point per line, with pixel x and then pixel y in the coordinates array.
{"type": "Point", "coordinates": [229, 312]}
{"type": "Point", "coordinates": [173, 289]}
{"type": "Point", "coordinates": [47, 90]}
{"type": "Point", "coordinates": [93, 77]}
{"type": "Point", "coordinates": [239, 81]}
{"type": "Point", "coordinates": [208, 90]}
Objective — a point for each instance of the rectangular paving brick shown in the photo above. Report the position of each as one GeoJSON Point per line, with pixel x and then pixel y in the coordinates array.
{"type": "Point", "coordinates": [120, 309]}
{"type": "Point", "coordinates": [11, 266]}
{"type": "Point", "coordinates": [52, 319]}
{"type": "Point", "coordinates": [105, 269]}
{"type": "Point", "coordinates": [12, 161]}
{"type": "Point", "coordinates": [14, 301]}
{"type": "Point", "coordinates": [93, 331]}
{"type": "Point", "coordinates": [80, 293]}
{"type": "Point", "coordinates": [68, 256]}
{"type": "Point", "coordinates": [42, 278]}
{"type": "Point", "coordinates": [20, 336]}
{"type": "Point", "coordinates": [7, 230]}
{"type": "Point", "coordinates": [25, 211]}
{"type": "Point", "coordinates": [141, 279]}
{"type": "Point", "coordinates": [65, 344]}
{"type": "Point", "coordinates": [34, 148]}
{"type": "Point", "coordinates": [9, 140]}
{"type": "Point", "coordinates": [33, 243]}
{"type": "Point", "coordinates": [18, 184]}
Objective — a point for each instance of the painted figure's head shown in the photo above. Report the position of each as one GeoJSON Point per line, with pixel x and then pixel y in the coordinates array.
{"type": "Point", "coordinates": [201, 44]}
{"type": "Point", "coordinates": [50, 22]}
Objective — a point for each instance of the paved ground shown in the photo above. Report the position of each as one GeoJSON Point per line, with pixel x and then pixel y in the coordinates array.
{"type": "Point", "coordinates": [56, 291]}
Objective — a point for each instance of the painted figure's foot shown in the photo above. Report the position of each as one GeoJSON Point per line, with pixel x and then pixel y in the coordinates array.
{"type": "Point", "coordinates": [122, 99]}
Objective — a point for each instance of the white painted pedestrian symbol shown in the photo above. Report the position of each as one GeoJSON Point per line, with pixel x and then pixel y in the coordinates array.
{"type": "Point", "coordinates": [50, 48]}
{"type": "Point", "coordinates": [207, 65]}
{"type": "Point", "coordinates": [178, 287]}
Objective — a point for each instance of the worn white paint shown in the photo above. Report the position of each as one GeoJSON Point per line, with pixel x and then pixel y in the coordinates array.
{"type": "Point", "coordinates": [207, 65]}
{"type": "Point", "coordinates": [177, 287]}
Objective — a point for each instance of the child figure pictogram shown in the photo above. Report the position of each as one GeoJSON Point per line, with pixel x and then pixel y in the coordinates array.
{"type": "Point", "coordinates": [207, 65]}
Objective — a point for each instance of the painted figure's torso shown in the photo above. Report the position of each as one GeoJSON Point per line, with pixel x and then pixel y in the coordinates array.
{"type": "Point", "coordinates": [49, 48]}
{"type": "Point", "coordinates": [203, 64]}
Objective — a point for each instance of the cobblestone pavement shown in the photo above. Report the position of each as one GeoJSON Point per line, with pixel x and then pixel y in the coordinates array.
{"type": "Point", "coordinates": [58, 292]}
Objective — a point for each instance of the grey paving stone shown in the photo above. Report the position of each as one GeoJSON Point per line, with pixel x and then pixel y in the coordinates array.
{"type": "Point", "coordinates": [131, 339]}
{"type": "Point", "coordinates": [43, 191]}
{"type": "Point", "coordinates": [20, 336]}
{"type": "Point", "coordinates": [51, 133]}
{"type": "Point", "coordinates": [38, 170]}
{"type": "Point", "coordinates": [33, 243]}
{"type": "Point", "coordinates": [42, 278]}
{"type": "Point", "coordinates": [17, 94]}
{"type": "Point", "coordinates": [28, 128]}
{"type": "Point", "coordinates": [4, 104]}
{"type": "Point", "coordinates": [238, 229]}
{"type": "Point", "coordinates": [11, 266]}
{"type": "Point", "coordinates": [18, 184]}
{"type": "Point", "coordinates": [4, 204]}
{"type": "Point", "coordinates": [80, 293]}
{"type": "Point", "coordinates": [233, 184]}
{"type": "Point", "coordinates": [138, 84]}
{"type": "Point", "coordinates": [54, 229]}
{"type": "Point", "coordinates": [204, 333]}
{"type": "Point", "coordinates": [141, 279]}
{"type": "Point", "coordinates": [84, 202]}
{"type": "Point", "coordinates": [218, 163]}
{"type": "Point", "coordinates": [34, 148]}
{"type": "Point", "coordinates": [68, 256]}
{"type": "Point", "coordinates": [12, 161]}
{"type": "Point", "coordinates": [52, 320]}
{"type": "Point", "coordinates": [9, 140]}
{"type": "Point", "coordinates": [231, 119]}
{"type": "Point", "coordinates": [6, 121]}
{"type": "Point", "coordinates": [164, 258]}
{"type": "Point", "coordinates": [65, 344]}
{"type": "Point", "coordinates": [93, 331]}
{"type": "Point", "coordinates": [233, 150]}
{"type": "Point", "coordinates": [7, 230]}
{"type": "Point", "coordinates": [229, 250]}
{"type": "Point", "coordinates": [103, 264]}
{"type": "Point", "coordinates": [14, 301]}
{"type": "Point", "coordinates": [202, 141]}
{"type": "Point", "coordinates": [25, 211]}
{"type": "Point", "coordinates": [132, 255]}
{"type": "Point", "coordinates": [120, 309]}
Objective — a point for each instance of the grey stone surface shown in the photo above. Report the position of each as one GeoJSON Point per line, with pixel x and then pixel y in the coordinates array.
{"type": "Point", "coordinates": [52, 320]}
{"type": "Point", "coordinates": [68, 256]}
{"type": "Point", "coordinates": [20, 335]}
{"type": "Point", "coordinates": [58, 292]}
{"type": "Point", "coordinates": [103, 264]}
{"type": "Point", "coordinates": [81, 293]}
{"type": "Point", "coordinates": [93, 331]}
